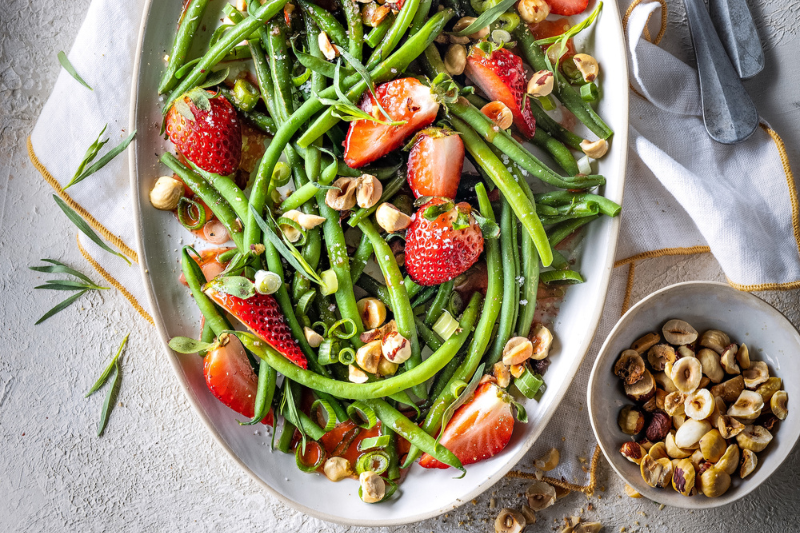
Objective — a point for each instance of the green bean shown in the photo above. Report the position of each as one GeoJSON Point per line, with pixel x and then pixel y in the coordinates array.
{"type": "Point", "coordinates": [393, 471]}
{"type": "Point", "coordinates": [483, 330]}
{"type": "Point", "coordinates": [571, 98]}
{"type": "Point", "coordinates": [227, 188]}
{"type": "Point", "coordinates": [340, 263]}
{"type": "Point", "coordinates": [548, 124]}
{"type": "Point", "coordinates": [217, 52]}
{"type": "Point", "coordinates": [444, 376]}
{"type": "Point", "coordinates": [442, 297]}
{"type": "Point", "coordinates": [516, 152]}
{"type": "Point", "coordinates": [210, 196]}
{"type": "Point", "coordinates": [401, 305]}
{"type": "Point", "coordinates": [560, 153]}
{"type": "Point", "coordinates": [190, 20]}
{"type": "Point", "coordinates": [310, 427]}
{"type": "Point", "coordinates": [376, 289]}
{"type": "Point", "coordinates": [565, 229]}
{"type": "Point", "coordinates": [287, 436]}
{"type": "Point", "coordinates": [195, 280]}
{"type": "Point", "coordinates": [583, 209]}
{"type": "Point", "coordinates": [306, 192]}
{"type": "Point", "coordinates": [379, 32]}
{"type": "Point", "coordinates": [326, 22]}
{"type": "Point", "coordinates": [511, 189]}
{"type": "Point", "coordinates": [421, 16]}
{"type": "Point", "coordinates": [378, 389]}
{"type": "Point", "coordinates": [424, 296]}
{"type": "Point", "coordinates": [355, 28]}
{"type": "Point", "coordinates": [389, 190]}
{"type": "Point", "coordinates": [386, 70]}
{"type": "Point", "coordinates": [396, 32]}
{"type": "Point", "coordinates": [407, 429]}
{"type": "Point", "coordinates": [362, 254]}
{"type": "Point", "coordinates": [266, 389]}
{"type": "Point", "coordinates": [429, 337]}
{"type": "Point", "coordinates": [261, 121]}
{"type": "Point", "coordinates": [530, 277]}
{"type": "Point", "coordinates": [555, 198]}
{"type": "Point", "coordinates": [278, 55]}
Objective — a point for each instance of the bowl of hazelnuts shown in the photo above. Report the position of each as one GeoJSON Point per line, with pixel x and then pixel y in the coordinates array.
{"type": "Point", "coordinates": [689, 397]}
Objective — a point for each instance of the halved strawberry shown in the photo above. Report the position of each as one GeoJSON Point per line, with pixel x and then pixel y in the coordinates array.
{"type": "Point", "coordinates": [552, 28]}
{"type": "Point", "coordinates": [231, 379]}
{"type": "Point", "coordinates": [443, 241]}
{"type": "Point", "coordinates": [435, 163]}
{"type": "Point", "coordinates": [262, 315]}
{"type": "Point", "coordinates": [567, 7]}
{"type": "Point", "coordinates": [502, 77]}
{"type": "Point", "coordinates": [405, 99]}
{"type": "Point", "coordinates": [479, 429]}
{"type": "Point", "coordinates": [205, 129]}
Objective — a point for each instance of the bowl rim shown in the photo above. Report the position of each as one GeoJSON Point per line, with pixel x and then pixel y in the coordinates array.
{"type": "Point", "coordinates": [685, 503]}
{"type": "Point", "coordinates": [621, 144]}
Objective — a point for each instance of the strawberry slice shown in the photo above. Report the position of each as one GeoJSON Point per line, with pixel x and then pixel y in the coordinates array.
{"type": "Point", "coordinates": [405, 99]}
{"type": "Point", "coordinates": [552, 28]}
{"type": "Point", "coordinates": [262, 315]}
{"type": "Point", "coordinates": [567, 7]}
{"type": "Point", "coordinates": [479, 429]}
{"type": "Point", "coordinates": [502, 77]}
{"type": "Point", "coordinates": [231, 379]}
{"type": "Point", "coordinates": [442, 242]}
{"type": "Point", "coordinates": [435, 162]}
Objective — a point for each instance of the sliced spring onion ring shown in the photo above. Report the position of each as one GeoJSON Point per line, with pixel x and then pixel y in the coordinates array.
{"type": "Point", "coordinates": [362, 415]}
{"type": "Point", "coordinates": [300, 457]}
{"type": "Point", "coordinates": [584, 166]}
{"type": "Point", "coordinates": [328, 352]}
{"type": "Point", "coordinates": [529, 383]}
{"type": "Point", "coordinates": [305, 301]}
{"type": "Point", "coordinates": [589, 92]}
{"type": "Point", "coordinates": [283, 221]}
{"type": "Point", "coordinates": [330, 283]}
{"type": "Point", "coordinates": [330, 415]}
{"type": "Point", "coordinates": [322, 325]}
{"type": "Point", "coordinates": [347, 356]}
{"type": "Point", "coordinates": [560, 276]}
{"type": "Point", "coordinates": [374, 442]}
{"type": "Point", "coordinates": [377, 461]}
{"type": "Point", "coordinates": [267, 282]}
{"type": "Point", "coordinates": [185, 216]}
{"type": "Point", "coordinates": [458, 387]}
{"type": "Point", "coordinates": [339, 324]}
{"type": "Point", "coordinates": [281, 175]}
{"type": "Point", "coordinates": [446, 325]}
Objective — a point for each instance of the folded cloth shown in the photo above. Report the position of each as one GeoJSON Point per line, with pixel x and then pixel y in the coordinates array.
{"type": "Point", "coordinates": [683, 194]}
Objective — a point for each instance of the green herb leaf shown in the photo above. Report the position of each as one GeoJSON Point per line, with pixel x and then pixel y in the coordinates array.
{"type": "Point", "coordinates": [103, 161]}
{"type": "Point", "coordinates": [60, 307]}
{"type": "Point", "coordinates": [489, 228]}
{"type": "Point", "coordinates": [62, 58]}
{"type": "Point", "coordinates": [108, 405]}
{"type": "Point", "coordinates": [315, 64]}
{"type": "Point", "coordinates": [561, 40]}
{"type": "Point", "coordinates": [291, 406]}
{"type": "Point", "coordinates": [67, 285]}
{"type": "Point", "coordinates": [61, 268]}
{"type": "Point", "coordinates": [187, 345]}
{"type": "Point", "coordinates": [85, 228]}
{"type": "Point", "coordinates": [434, 211]}
{"type": "Point", "coordinates": [486, 18]}
{"type": "Point", "coordinates": [465, 395]}
{"type": "Point", "coordinates": [216, 78]}
{"type": "Point", "coordinates": [104, 376]}
{"type": "Point", "coordinates": [91, 153]}
{"type": "Point", "coordinates": [238, 286]}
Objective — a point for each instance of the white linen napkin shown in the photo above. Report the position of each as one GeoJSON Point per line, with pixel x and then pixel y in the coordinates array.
{"type": "Point", "coordinates": [684, 193]}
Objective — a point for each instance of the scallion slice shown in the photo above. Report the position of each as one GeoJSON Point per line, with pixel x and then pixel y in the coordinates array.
{"type": "Point", "coordinates": [187, 219]}
{"type": "Point", "coordinates": [377, 461]}
{"type": "Point", "coordinates": [313, 449]}
{"type": "Point", "coordinates": [374, 442]}
{"type": "Point", "coordinates": [362, 415]}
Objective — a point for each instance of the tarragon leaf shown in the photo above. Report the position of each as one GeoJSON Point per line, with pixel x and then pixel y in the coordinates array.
{"type": "Point", "coordinates": [104, 376]}
{"type": "Point", "coordinates": [76, 219]}
{"type": "Point", "coordinates": [62, 58]}
{"type": "Point", "coordinates": [103, 161]}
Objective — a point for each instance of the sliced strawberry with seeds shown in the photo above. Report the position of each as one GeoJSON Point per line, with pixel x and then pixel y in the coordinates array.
{"type": "Point", "coordinates": [567, 7]}
{"type": "Point", "coordinates": [435, 163]}
{"type": "Point", "coordinates": [479, 429]}
{"type": "Point", "coordinates": [231, 379]}
{"type": "Point", "coordinates": [404, 100]}
{"type": "Point", "coordinates": [262, 315]}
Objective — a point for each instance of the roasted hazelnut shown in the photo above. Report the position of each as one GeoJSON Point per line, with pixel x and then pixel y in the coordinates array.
{"type": "Point", "coordinates": [665, 382]}
{"type": "Point", "coordinates": [749, 463]}
{"type": "Point", "coordinates": [533, 11]}
{"type": "Point", "coordinates": [683, 477]}
{"type": "Point", "coordinates": [728, 359]}
{"type": "Point", "coordinates": [729, 460]}
{"type": "Point", "coordinates": [541, 83]}
{"type": "Point", "coordinates": [166, 193]}
{"type": "Point", "coordinates": [704, 381]}
{"type": "Point", "coordinates": [642, 390]}
{"type": "Point", "coordinates": [455, 59]}
{"type": "Point", "coordinates": [644, 443]}
{"type": "Point", "coordinates": [710, 363]}
{"type": "Point", "coordinates": [464, 22]}
{"type": "Point", "coordinates": [343, 197]}
{"type": "Point", "coordinates": [768, 388]}
{"type": "Point", "coordinates": [632, 451]}
{"type": "Point", "coordinates": [729, 390]}
{"type": "Point", "coordinates": [678, 421]}
{"type": "Point", "coordinates": [715, 340]}
{"type": "Point", "coordinates": [549, 461]}
{"type": "Point", "coordinates": [729, 427]}
{"type": "Point", "coordinates": [757, 374]}
{"type": "Point", "coordinates": [396, 348]}
{"type": "Point", "coordinates": [699, 404]}
{"type": "Point", "coordinates": [697, 458]}
{"type": "Point", "coordinates": [743, 357]}
{"type": "Point", "coordinates": [747, 406]}
{"type": "Point", "coordinates": [712, 445]}
{"type": "Point", "coordinates": [659, 426]}
{"type": "Point", "coordinates": [328, 50]}
{"type": "Point", "coordinates": [644, 343]}
{"type": "Point", "coordinates": [691, 432]}
{"type": "Point", "coordinates": [661, 399]}
{"type": "Point", "coordinates": [372, 311]}
{"type": "Point", "coordinates": [656, 472]}
{"type": "Point", "coordinates": [501, 374]}
{"type": "Point", "coordinates": [540, 495]}
{"type": "Point", "coordinates": [650, 405]}
{"type": "Point", "coordinates": [517, 350]}
{"type": "Point", "coordinates": [714, 482]}
{"type": "Point", "coordinates": [337, 468]}
{"type": "Point", "coordinates": [629, 367]}
{"type": "Point", "coordinates": [390, 218]}
{"type": "Point", "coordinates": [386, 367]}
{"type": "Point", "coordinates": [368, 191]}
{"type": "Point", "coordinates": [678, 332]}
{"type": "Point", "coordinates": [754, 438]}
{"type": "Point", "coordinates": [373, 487]}
{"type": "Point", "coordinates": [509, 521]}
{"type": "Point", "coordinates": [779, 403]}
{"type": "Point", "coordinates": [499, 113]}
{"type": "Point", "coordinates": [685, 351]}
{"type": "Point", "coordinates": [588, 67]}
{"type": "Point", "coordinates": [719, 408]}
{"type": "Point", "coordinates": [368, 356]}
{"type": "Point", "coordinates": [686, 374]}
{"type": "Point", "coordinates": [661, 354]}
{"type": "Point", "coordinates": [594, 149]}
{"type": "Point", "coordinates": [674, 403]}
{"type": "Point", "coordinates": [673, 450]}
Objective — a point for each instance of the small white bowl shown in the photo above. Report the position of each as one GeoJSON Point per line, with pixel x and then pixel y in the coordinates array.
{"type": "Point", "coordinates": [705, 305]}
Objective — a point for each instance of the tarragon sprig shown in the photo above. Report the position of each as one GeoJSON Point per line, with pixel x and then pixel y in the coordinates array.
{"type": "Point", "coordinates": [56, 267]}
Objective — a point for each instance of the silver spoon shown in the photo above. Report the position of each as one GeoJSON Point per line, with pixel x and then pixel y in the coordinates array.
{"type": "Point", "coordinates": [728, 111]}
{"type": "Point", "coordinates": [739, 36]}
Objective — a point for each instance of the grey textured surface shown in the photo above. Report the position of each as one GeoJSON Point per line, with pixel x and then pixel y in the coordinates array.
{"type": "Point", "coordinates": [156, 468]}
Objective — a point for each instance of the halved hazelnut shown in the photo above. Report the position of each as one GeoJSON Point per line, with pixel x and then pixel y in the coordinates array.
{"type": "Point", "coordinates": [754, 438]}
{"type": "Point", "coordinates": [509, 521]}
{"type": "Point", "coordinates": [328, 50]}
{"type": "Point", "coordinates": [709, 359]}
{"type": "Point", "coordinates": [674, 403]}
{"type": "Point", "coordinates": [699, 405]}
{"type": "Point", "coordinates": [656, 472]}
{"type": "Point", "coordinates": [368, 356]}
{"type": "Point", "coordinates": [368, 191]}
{"type": "Point", "coordinates": [313, 338]}
{"type": "Point", "coordinates": [542, 340]}
{"type": "Point", "coordinates": [391, 219]}
{"type": "Point", "coordinates": [396, 348]}
{"type": "Point", "coordinates": [757, 374]}
{"type": "Point", "coordinates": [729, 427]}
{"type": "Point", "coordinates": [691, 432]}
{"type": "Point", "coordinates": [714, 482]}
{"type": "Point", "coordinates": [749, 463]}
{"type": "Point", "coordinates": [729, 460]}
{"type": "Point", "coordinates": [661, 354]}
{"type": "Point", "coordinates": [631, 420]}
{"type": "Point", "coordinates": [719, 408]}
{"type": "Point", "coordinates": [455, 59]}
{"type": "Point", "coordinates": [642, 390]}
{"type": "Point", "coordinates": [743, 357]}
{"type": "Point", "coordinates": [661, 399]}
{"type": "Point", "coordinates": [533, 11]}
{"type": "Point", "coordinates": [501, 374]}
{"type": "Point", "coordinates": [630, 367]}
{"type": "Point", "coordinates": [464, 22]}
{"type": "Point", "coordinates": [658, 451]}
{"type": "Point", "coordinates": [678, 332]}
{"type": "Point", "coordinates": [645, 342]}
{"type": "Point", "coordinates": [729, 390]}
{"type": "Point", "coordinates": [517, 350]}
{"type": "Point", "coordinates": [633, 452]}
{"type": "Point", "coordinates": [715, 339]}
{"type": "Point", "coordinates": [728, 359]}
{"type": "Point", "coordinates": [659, 426]}
{"type": "Point", "coordinates": [678, 421]}
{"type": "Point", "coordinates": [541, 83]}
{"type": "Point", "coordinates": [166, 193]}
{"type": "Point", "coordinates": [499, 113]}
{"type": "Point", "coordinates": [343, 198]}
{"type": "Point", "coordinates": [712, 445]}
{"type": "Point", "coordinates": [356, 375]}
{"type": "Point", "coordinates": [372, 311]}
{"type": "Point", "coordinates": [540, 495]}
{"type": "Point", "coordinates": [386, 367]}
{"type": "Point", "coordinates": [747, 406]}
{"type": "Point", "coordinates": [594, 149]}
{"type": "Point", "coordinates": [673, 450]}
{"type": "Point", "coordinates": [683, 477]}
{"type": "Point", "coordinates": [665, 382]}
{"type": "Point", "coordinates": [686, 374]}
{"type": "Point", "coordinates": [685, 351]}
{"type": "Point", "coordinates": [588, 67]}
{"type": "Point", "coordinates": [697, 458]}
{"type": "Point", "coordinates": [337, 468]}
{"type": "Point", "coordinates": [769, 387]}
{"type": "Point", "coordinates": [779, 403]}
{"type": "Point", "coordinates": [373, 487]}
